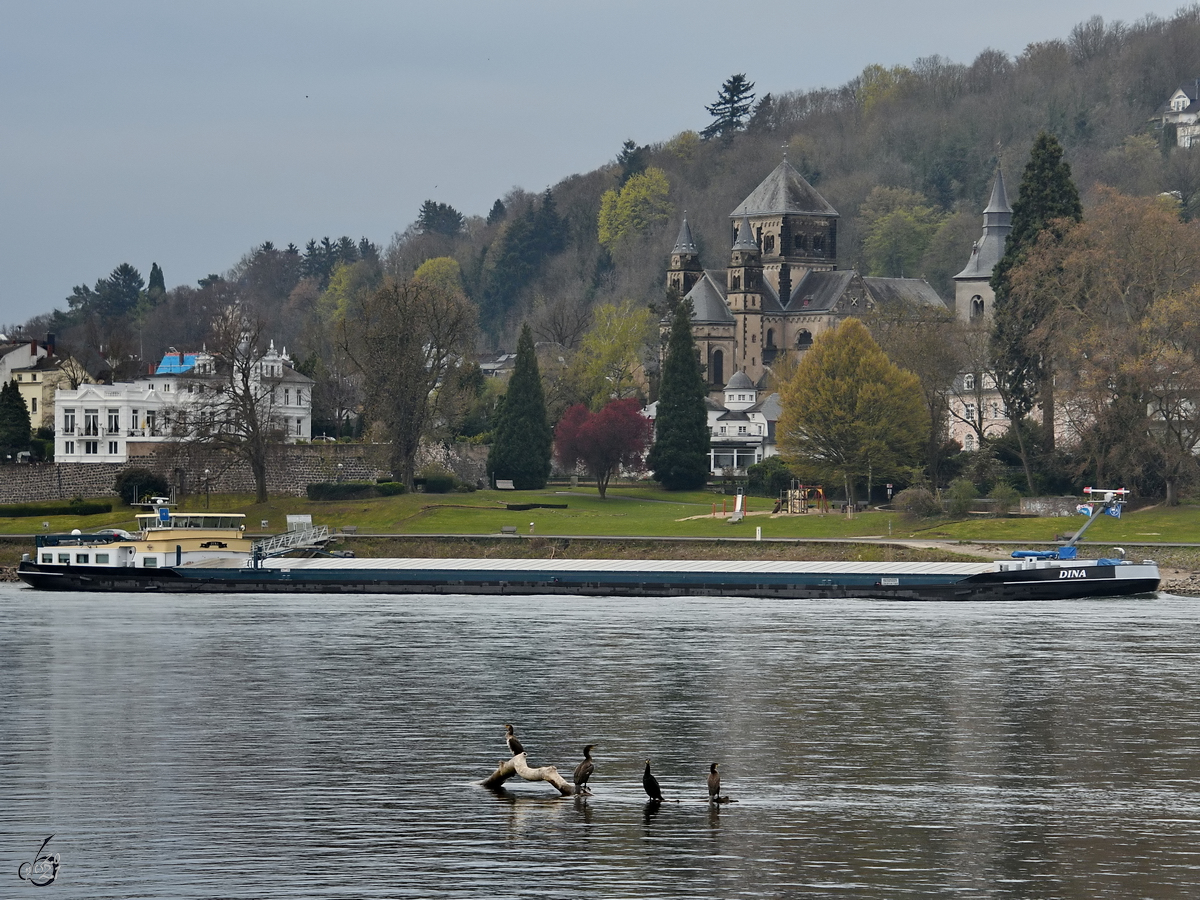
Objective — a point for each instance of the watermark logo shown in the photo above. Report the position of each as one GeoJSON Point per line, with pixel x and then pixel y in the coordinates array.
{"type": "Point", "coordinates": [44, 868]}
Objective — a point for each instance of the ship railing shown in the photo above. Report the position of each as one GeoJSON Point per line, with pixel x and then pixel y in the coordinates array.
{"type": "Point", "coordinates": [316, 536]}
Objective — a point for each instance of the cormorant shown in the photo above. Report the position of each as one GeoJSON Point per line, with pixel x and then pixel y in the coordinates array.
{"type": "Point", "coordinates": [714, 783]}
{"type": "Point", "coordinates": [514, 745]}
{"type": "Point", "coordinates": [584, 770]}
{"type": "Point", "coordinates": [650, 783]}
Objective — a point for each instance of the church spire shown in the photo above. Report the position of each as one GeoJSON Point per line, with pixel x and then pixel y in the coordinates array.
{"type": "Point", "coordinates": [684, 244]}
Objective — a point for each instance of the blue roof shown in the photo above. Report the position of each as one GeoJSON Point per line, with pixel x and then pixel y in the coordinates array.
{"type": "Point", "coordinates": [176, 364]}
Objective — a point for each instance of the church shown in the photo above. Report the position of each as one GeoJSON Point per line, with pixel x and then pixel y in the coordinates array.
{"type": "Point", "coordinates": [782, 286]}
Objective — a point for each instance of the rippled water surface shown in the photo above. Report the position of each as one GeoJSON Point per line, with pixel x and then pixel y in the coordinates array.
{"type": "Point", "coordinates": [325, 747]}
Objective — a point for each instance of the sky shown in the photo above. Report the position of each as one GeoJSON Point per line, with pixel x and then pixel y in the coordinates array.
{"type": "Point", "coordinates": [186, 134]}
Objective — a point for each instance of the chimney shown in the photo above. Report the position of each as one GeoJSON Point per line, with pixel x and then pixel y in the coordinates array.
{"type": "Point", "coordinates": [50, 343]}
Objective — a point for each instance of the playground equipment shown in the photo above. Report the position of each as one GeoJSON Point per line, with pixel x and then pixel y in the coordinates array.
{"type": "Point", "coordinates": [804, 498]}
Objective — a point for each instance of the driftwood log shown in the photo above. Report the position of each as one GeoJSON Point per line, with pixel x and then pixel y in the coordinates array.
{"type": "Point", "coordinates": [519, 766]}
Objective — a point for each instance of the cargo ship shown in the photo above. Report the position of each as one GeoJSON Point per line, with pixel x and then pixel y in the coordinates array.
{"type": "Point", "coordinates": [198, 553]}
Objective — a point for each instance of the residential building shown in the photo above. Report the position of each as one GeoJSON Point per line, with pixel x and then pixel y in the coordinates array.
{"type": "Point", "coordinates": [112, 422]}
{"type": "Point", "coordinates": [1182, 112]}
{"type": "Point", "coordinates": [38, 383]}
{"type": "Point", "coordinates": [741, 426]}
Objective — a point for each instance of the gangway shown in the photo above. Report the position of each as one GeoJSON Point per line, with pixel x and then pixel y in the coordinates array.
{"type": "Point", "coordinates": [301, 539]}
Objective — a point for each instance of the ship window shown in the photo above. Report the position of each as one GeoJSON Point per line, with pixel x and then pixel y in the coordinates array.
{"type": "Point", "coordinates": [102, 559]}
{"type": "Point", "coordinates": [47, 557]}
{"type": "Point", "coordinates": [64, 558]}
{"type": "Point", "coordinates": [81, 557]}
{"type": "Point", "coordinates": [150, 562]}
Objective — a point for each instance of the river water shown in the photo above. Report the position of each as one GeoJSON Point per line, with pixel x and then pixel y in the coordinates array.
{"type": "Point", "coordinates": [270, 746]}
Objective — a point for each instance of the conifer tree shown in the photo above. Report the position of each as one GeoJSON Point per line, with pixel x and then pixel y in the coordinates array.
{"type": "Point", "coordinates": [14, 422]}
{"type": "Point", "coordinates": [522, 444]}
{"type": "Point", "coordinates": [1047, 195]}
{"type": "Point", "coordinates": [679, 457]}
{"type": "Point", "coordinates": [734, 102]}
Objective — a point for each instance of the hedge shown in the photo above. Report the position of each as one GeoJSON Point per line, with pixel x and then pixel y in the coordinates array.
{"type": "Point", "coordinates": [353, 490]}
{"type": "Point", "coordinates": [74, 508]}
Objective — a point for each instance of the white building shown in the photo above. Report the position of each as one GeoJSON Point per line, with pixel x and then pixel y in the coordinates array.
{"type": "Point", "coordinates": [1182, 110]}
{"type": "Point", "coordinates": [103, 422]}
{"type": "Point", "coordinates": [741, 429]}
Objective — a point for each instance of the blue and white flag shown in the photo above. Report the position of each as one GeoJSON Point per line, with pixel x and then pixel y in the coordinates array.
{"type": "Point", "coordinates": [1114, 511]}
{"type": "Point", "coordinates": [1083, 509]}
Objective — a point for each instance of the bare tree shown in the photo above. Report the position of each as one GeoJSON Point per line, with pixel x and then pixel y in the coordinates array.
{"type": "Point", "coordinates": [231, 396]}
{"type": "Point", "coordinates": [406, 338]}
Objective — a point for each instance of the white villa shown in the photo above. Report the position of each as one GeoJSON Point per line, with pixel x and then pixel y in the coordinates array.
{"type": "Point", "coordinates": [109, 423]}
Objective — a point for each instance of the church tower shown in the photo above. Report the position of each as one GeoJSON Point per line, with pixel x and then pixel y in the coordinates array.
{"type": "Point", "coordinates": [973, 294]}
{"type": "Point", "coordinates": [794, 227]}
{"type": "Point", "coordinates": [685, 269]}
{"type": "Point", "coordinates": [745, 294]}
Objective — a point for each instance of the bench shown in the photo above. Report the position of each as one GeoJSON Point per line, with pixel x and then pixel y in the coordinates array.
{"type": "Point", "coordinates": [504, 484]}
{"type": "Point", "coordinates": [349, 529]}
{"type": "Point", "coordinates": [508, 529]}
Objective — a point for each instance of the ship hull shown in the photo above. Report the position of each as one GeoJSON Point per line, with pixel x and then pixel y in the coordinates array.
{"type": "Point", "coordinates": [944, 582]}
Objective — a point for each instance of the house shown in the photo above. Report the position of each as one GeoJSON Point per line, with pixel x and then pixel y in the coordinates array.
{"type": "Point", "coordinates": [19, 354]}
{"type": "Point", "coordinates": [782, 286]}
{"type": "Point", "coordinates": [1182, 113]}
{"type": "Point", "coordinates": [112, 422]}
{"type": "Point", "coordinates": [741, 426]}
{"type": "Point", "coordinates": [38, 383]}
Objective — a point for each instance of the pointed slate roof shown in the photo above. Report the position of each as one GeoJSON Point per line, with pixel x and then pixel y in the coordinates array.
{"type": "Point", "coordinates": [745, 236]}
{"type": "Point", "coordinates": [684, 243]}
{"type": "Point", "coordinates": [784, 192]}
{"type": "Point", "coordinates": [708, 302]}
{"type": "Point", "coordinates": [997, 223]}
{"type": "Point", "coordinates": [821, 290]}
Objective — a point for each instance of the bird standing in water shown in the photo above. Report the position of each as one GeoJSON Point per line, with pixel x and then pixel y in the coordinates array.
{"type": "Point", "coordinates": [650, 783]}
{"type": "Point", "coordinates": [714, 784]}
{"type": "Point", "coordinates": [584, 771]}
{"type": "Point", "coordinates": [514, 745]}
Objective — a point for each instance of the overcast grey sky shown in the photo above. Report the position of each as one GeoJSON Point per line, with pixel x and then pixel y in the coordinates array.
{"type": "Point", "coordinates": [185, 134]}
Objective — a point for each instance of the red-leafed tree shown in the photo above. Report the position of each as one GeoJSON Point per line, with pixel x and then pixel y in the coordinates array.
{"type": "Point", "coordinates": [605, 442]}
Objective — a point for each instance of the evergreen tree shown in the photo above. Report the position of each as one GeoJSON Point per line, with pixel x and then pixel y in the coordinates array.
{"type": "Point", "coordinates": [439, 218]}
{"type": "Point", "coordinates": [679, 457]}
{"type": "Point", "coordinates": [158, 284]}
{"type": "Point", "coordinates": [498, 212]}
{"type": "Point", "coordinates": [1047, 194]}
{"type": "Point", "coordinates": [522, 445]}
{"type": "Point", "coordinates": [734, 102]}
{"type": "Point", "coordinates": [14, 422]}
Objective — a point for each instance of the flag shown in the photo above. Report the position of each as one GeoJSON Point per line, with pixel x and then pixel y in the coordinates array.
{"type": "Point", "coordinates": [1114, 511]}
{"type": "Point", "coordinates": [1083, 509]}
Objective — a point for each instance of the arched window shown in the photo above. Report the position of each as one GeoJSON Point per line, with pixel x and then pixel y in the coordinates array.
{"type": "Point", "coordinates": [717, 369]}
{"type": "Point", "coordinates": [968, 382]}
{"type": "Point", "coordinates": [804, 340]}
{"type": "Point", "coordinates": [976, 307]}
{"type": "Point", "coordinates": [969, 442]}
{"type": "Point", "coordinates": [801, 242]}
{"type": "Point", "coordinates": [770, 338]}
{"type": "Point", "coordinates": [735, 282]}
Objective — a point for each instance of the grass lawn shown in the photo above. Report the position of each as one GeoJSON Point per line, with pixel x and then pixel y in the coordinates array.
{"type": "Point", "coordinates": [637, 510]}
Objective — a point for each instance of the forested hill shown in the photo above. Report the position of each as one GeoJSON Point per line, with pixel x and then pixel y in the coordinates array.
{"type": "Point", "coordinates": [905, 154]}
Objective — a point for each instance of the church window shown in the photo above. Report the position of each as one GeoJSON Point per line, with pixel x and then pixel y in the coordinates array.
{"type": "Point", "coordinates": [770, 337]}
{"type": "Point", "coordinates": [735, 282]}
{"type": "Point", "coordinates": [804, 340]}
{"type": "Point", "coordinates": [718, 367]}
{"type": "Point", "coordinates": [754, 338]}
{"type": "Point", "coordinates": [769, 243]}
{"type": "Point", "coordinates": [976, 307]}
{"type": "Point", "coordinates": [818, 245]}
{"type": "Point", "coordinates": [801, 242]}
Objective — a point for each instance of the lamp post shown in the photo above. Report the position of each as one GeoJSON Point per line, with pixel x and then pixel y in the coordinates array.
{"type": "Point", "coordinates": [339, 474]}
{"type": "Point", "coordinates": [206, 484]}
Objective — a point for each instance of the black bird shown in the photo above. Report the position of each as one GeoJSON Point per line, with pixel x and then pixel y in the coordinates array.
{"type": "Point", "coordinates": [650, 783]}
{"type": "Point", "coordinates": [584, 770]}
{"type": "Point", "coordinates": [714, 784]}
{"type": "Point", "coordinates": [514, 745]}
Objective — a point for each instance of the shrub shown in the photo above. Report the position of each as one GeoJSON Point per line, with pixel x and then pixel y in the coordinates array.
{"type": "Point", "coordinates": [1005, 497]}
{"type": "Point", "coordinates": [962, 494]}
{"type": "Point", "coordinates": [132, 485]}
{"type": "Point", "coordinates": [390, 488]}
{"type": "Point", "coordinates": [769, 477]}
{"type": "Point", "coordinates": [917, 503]}
{"type": "Point", "coordinates": [77, 507]}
